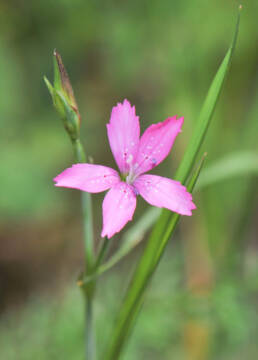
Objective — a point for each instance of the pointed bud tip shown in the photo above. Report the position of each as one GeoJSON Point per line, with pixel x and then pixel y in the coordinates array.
{"type": "Point", "coordinates": [55, 52]}
{"type": "Point", "coordinates": [63, 97]}
{"type": "Point", "coordinates": [62, 82]}
{"type": "Point", "coordinates": [59, 61]}
{"type": "Point", "coordinates": [58, 57]}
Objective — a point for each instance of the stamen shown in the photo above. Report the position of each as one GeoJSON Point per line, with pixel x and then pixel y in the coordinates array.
{"type": "Point", "coordinates": [131, 175]}
{"type": "Point", "coordinates": [129, 159]}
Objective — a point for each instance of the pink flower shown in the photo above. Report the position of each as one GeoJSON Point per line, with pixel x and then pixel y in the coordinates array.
{"type": "Point", "coordinates": [134, 156]}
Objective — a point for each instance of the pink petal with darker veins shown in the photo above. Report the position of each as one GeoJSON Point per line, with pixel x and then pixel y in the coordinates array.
{"type": "Point", "coordinates": [88, 177]}
{"type": "Point", "coordinates": [155, 144]}
{"type": "Point", "coordinates": [118, 208]}
{"type": "Point", "coordinates": [123, 134]}
{"type": "Point", "coordinates": [165, 193]}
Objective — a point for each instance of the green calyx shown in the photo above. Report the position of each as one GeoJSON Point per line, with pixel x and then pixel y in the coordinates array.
{"type": "Point", "coordinates": [123, 177]}
{"type": "Point", "coordinates": [63, 98]}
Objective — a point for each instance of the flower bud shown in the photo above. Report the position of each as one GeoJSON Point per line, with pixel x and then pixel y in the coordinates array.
{"type": "Point", "coordinates": [63, 98]}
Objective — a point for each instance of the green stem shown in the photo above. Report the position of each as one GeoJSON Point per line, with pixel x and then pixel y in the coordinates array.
{"type": "Point", "coordinates": [102, 252]}
{"type": "Point", "coordinates": [87, 212]}
{"type": "Point", "coordinates": [88, 232]}
{"type": "Point", "coordinates": [90, 338]}
{"type": "Point", "coordinates": [79, 153]}
{"type": "Point", "coordinates": [88, 289]}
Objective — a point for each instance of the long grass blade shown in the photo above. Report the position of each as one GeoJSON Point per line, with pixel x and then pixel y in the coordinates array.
{"type": "Point", "coordinates": [160, 234]}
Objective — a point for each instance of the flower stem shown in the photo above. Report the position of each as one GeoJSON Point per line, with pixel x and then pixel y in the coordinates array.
{"type": "Point", "coordinates": [88, 231]}
{"type": "Point", "coordinates": [87, 211]}
{"type": "Point", "coordinates": [88, 289]}
{"type": "Point", "coordinates": [90, 350]}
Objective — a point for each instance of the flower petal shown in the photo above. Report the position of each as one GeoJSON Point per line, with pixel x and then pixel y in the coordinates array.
{"type": "Point", "coordinates": [165, 193]}
{"type": "Point", "coordinates": [156, 143]}
{"type": "Point", "coordinates": [118, 208]}
{"type": "Point", "coordinates": [88, 177]}
{"type": "Point", "coordinates": [123, 134]}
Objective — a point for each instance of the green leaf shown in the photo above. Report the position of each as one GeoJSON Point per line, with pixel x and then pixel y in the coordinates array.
{"type": "Point", "coordinates": [167, 222]}
{"type": "Point", "coordinates": [232, 165]}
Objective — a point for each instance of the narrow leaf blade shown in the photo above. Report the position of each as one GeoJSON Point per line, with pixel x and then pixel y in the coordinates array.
{"type": "Point", "coordinates": [166, 223]}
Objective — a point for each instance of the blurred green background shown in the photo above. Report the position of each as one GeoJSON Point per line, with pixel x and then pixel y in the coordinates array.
{"type": "Point", "coordinates": [161, 56]}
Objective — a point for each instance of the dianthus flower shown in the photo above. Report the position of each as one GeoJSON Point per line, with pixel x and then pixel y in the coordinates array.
{"type": "Point", "coordinates": [134, 156]}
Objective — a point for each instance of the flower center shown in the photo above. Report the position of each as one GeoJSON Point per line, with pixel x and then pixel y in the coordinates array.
{"type": "Point", "coordinates": [129, 176]}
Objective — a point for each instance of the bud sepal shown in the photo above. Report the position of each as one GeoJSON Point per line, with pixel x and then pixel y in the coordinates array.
{"type": "Point", "coordinates": [63, 98]}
